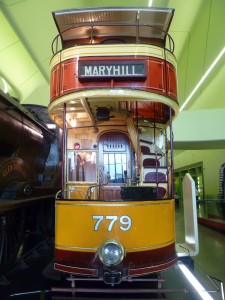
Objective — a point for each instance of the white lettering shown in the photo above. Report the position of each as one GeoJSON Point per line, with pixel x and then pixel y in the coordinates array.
{"type": "Point", "coordinates": [116, 69]}
{"type": "Point", "coordinates": [95, 71]}
{"type": "Point", "coordinates": [109, 222]}
{"type": "Point", "coordinates": [112, 70]}
{"type": "Point", "coordinates": [101, 70]}
{"type": "Point", "coordinates": [87, 70]}
{"type": "Point", "coordinates": [99, 220]}
{"type": "Point", "coordinates": [109, 69]}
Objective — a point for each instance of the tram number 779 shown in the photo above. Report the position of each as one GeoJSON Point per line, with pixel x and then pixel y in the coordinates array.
{"type": "Point", "coordinates": [124, 222]}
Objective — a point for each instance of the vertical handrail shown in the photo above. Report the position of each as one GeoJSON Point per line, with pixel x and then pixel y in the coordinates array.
{"type": "Point", "coordinates": [171, 155]}
{"type": "Point", "coordinates": [64, 151]}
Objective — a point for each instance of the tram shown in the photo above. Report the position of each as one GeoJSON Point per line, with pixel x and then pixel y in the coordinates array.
{"type": "Point", "coordinates": [113, 91]}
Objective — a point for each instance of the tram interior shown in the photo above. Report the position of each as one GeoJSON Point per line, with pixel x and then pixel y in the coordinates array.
{"type": "Point", "coordinates": [109, 167]}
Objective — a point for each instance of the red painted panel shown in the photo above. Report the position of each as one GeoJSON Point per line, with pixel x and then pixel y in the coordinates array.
{"type": "Point", "coordinates": [76, 270]}
{"type": "Point", "coordinates": [68, 76]}
{"type": "Point", "coordinates": [156, 81]}
{"type": "Point", "coordinates": [157, 112]}
{"type": "Point", "coordinates": [133, 260]}
{"type": "Point", "coordinates": [171, 81]}
{"type": "Point", "coordinates": [156, 75]}
{"type": "Point", "coordinates": [152, 269]}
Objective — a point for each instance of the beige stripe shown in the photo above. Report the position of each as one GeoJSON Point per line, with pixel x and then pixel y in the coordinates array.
{"type": "Point", "coordinates": [115, 50]}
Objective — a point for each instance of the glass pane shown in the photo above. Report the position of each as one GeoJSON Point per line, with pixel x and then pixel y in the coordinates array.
{"type": "Point", "coordinates": [112, 172]}
{"type": "Point", "coordinates": [81, 166]}
{"type": "Point", "coordinates": [105, 159]}
{"type": "Point", "coordinates": [118, 158]}
{"type": "Point", "coordinates": [71, 165]}
{"type": "Point", "coordinates": [124, 158]}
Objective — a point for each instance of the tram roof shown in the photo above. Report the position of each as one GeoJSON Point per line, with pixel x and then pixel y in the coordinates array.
{"type": "Point", "coordinates": [114, 21]}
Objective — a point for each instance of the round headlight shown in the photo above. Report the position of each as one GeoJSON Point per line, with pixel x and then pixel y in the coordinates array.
{"type": "Point", "coordinates": [111, 253]}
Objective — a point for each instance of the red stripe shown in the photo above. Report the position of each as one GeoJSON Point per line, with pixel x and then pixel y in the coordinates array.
{"type": "Point", "coordinates": [75, 270]}
{"type": "Point", "coordinates": [133, 260]}
{"type": "Point", "coordinates": [148, 270]}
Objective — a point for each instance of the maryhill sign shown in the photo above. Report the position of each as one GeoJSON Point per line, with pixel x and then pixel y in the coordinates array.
{"type": "Point", "coordinates": [103, 69]}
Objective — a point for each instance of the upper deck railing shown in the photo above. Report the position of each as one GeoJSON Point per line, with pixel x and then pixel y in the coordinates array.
{"type": "Point", "coordinates": [59, 44]}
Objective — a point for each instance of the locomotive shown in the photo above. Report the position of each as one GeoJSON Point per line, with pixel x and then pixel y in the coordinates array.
{"type": "Point", "coordinates": [29, 171]}
{"type": "Point", "coordinates": [113, 91]}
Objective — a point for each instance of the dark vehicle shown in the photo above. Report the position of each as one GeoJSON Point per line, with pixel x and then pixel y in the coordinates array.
{"type": "Point", "coordinates": [29, 171]}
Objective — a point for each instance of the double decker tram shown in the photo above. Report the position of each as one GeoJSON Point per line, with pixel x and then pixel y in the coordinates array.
{"type": "Point", "coordinates": [113, 91]}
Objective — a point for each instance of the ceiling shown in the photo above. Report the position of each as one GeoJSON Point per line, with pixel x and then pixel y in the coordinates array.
{"type": "Point", "coordinates": [27, 30]}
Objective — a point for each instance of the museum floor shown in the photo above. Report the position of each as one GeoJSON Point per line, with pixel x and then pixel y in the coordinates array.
{"type": "Point", "coordinates": [211, 257]}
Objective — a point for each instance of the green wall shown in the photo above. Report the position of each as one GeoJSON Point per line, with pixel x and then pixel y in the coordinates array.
{"type": "Point", "coordinates": [212, 160]}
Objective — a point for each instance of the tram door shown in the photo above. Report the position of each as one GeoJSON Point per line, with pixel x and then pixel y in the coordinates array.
{"type": "Point", "coordinates": [114, 164]}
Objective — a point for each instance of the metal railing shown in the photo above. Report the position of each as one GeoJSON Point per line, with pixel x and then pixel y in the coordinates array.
{"type": "Point", "coordinates": [168, 41]}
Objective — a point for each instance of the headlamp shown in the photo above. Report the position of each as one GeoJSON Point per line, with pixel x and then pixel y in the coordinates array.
{"type": "Point", "coordinates": [111, 253]}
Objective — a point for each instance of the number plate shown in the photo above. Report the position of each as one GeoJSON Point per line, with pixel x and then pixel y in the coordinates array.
{"type": "Point", "coordinates": [125, 222]}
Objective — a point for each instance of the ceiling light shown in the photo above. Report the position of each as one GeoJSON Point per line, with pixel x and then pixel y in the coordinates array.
{"type": "Point", "coordinates": [73, 122]}
{"type": "Point", "coordinates": [194, 282]}
{"type": "Point", "coordinates": [203, 79]}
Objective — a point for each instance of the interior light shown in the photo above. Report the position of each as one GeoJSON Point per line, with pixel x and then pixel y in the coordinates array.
{"type": "Point", "coordinates": [194, 282]}
{"type": "Point", "coordinates": [150, 3]}
{"type": "Point", "coordinates": [92, 40]}
{"type": "Point", "coordinates": [76, 146]}
{"type": "Point", "coordinates": [73, 122]}
{"type": "Point", "coordinates": [203, 79]}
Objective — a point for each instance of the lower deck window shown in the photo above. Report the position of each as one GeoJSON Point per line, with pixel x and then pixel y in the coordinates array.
{"type": "Point", "coordinates": [81, 166]}
{"type": "Point", "coordinates": [116, 164]}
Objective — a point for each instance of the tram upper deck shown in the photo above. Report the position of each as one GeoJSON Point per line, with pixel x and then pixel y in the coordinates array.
{"type": "Point", "coordinates": [113, 57]}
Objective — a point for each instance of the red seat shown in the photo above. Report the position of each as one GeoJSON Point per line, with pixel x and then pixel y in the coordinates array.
{"type": "Point", "coordinates": [145, 150]}
{"type": "Point", "coordinates": [150, 162]}
{"type": "Point", "coordinates": [155, 177]}
{"type": "Point", "coordinates": [161, 191]}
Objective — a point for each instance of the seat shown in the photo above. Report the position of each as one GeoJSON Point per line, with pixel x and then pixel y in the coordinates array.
{"type": "Point", "coordinates": [161, 192]}
{"type": "Point", "coordinates": [155, 177]}
{"type": "Point", "coordinates": [145, 150]}
{"type": "Point", "coordinates": [150, 162]}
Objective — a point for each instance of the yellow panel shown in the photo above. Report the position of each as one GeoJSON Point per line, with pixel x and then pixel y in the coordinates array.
{"type": "Point", "coordinates": [137, 225]}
